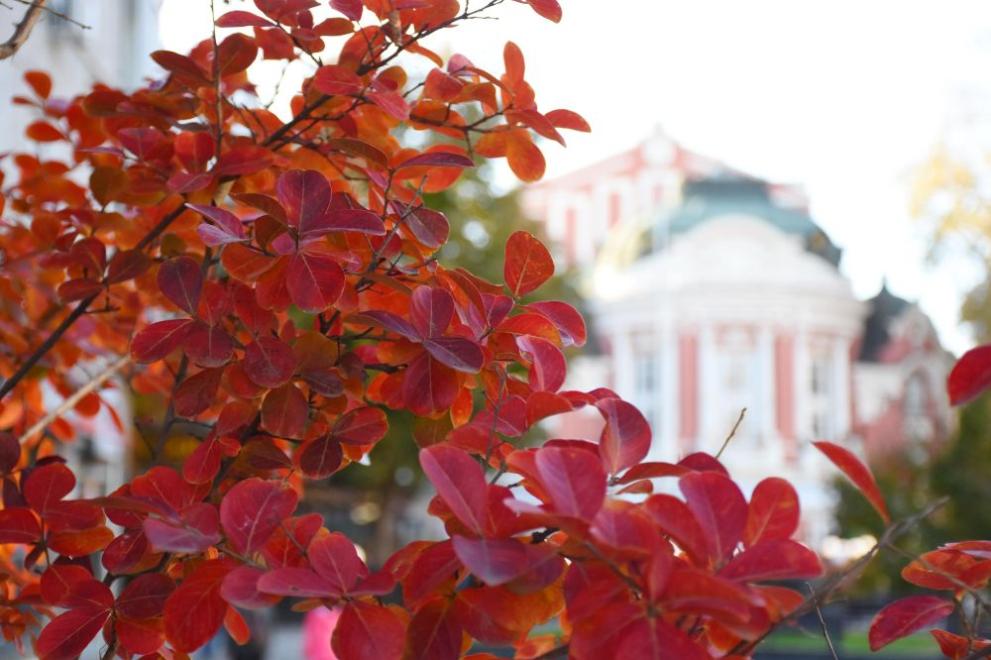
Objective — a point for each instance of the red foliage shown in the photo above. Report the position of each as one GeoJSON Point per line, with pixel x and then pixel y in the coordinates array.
{"type": "Point", "coordinates": [275, 281]}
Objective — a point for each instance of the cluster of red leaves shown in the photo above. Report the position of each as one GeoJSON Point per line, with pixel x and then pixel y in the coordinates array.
{"type": "Point", "coordinates": [276, 284]}
{"type": "Point", "coordinates": [962, 569]}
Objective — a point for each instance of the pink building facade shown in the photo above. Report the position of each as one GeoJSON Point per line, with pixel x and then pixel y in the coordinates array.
{"type": "Point", "coordinates": [711, 291]}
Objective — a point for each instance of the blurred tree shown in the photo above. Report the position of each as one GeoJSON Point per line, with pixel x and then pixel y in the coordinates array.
{"type": "Point", "coordinates": [952, 195]}
{"type": "Point", "coordinates": [959, 471]}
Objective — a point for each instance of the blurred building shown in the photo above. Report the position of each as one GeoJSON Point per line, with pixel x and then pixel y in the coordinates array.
{"type": "Point", "coordinates": [712, 291]}
{"type": "Point", "coordinates": [112, 48]}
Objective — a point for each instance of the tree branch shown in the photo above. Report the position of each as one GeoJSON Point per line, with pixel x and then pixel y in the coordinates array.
{"type": "Point", "coordinates": [23, 29]}
{"type": "Point", "coordinates": [76, 397]}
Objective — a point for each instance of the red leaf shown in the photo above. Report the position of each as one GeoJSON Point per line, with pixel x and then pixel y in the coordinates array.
{"type": "Point", "coordinates": [568, 119]}
{"type": "Point", "coordinates": [392, 103]}
{"type": "Point", "coordinates": [565, 318]}
{"type": "Point", "coordinates": [240, 588]}
{"type": "Point", "coordinates": [126, 265]}
{"type": "Point", "coordinates": [197, 529]}
{"type": "Point", "coordinates": [285, 412]}
{"type": "Point", "coordinates": [460, 482]}
{"type": "Point", "coordinates": [625, 440]}
{"type": "Point", "coordinates": [625, 529]}
{"type": "Point", "coordinates": [351, 9]}
{"type": "Point", "coordinates": [653, 638]}
{"type": "Point", "coordinates": [361, 221]}
{"type": "Point", "coordinates": [856, 472]}
{"type": "Point", "coordinates": [78, 289]}
{"type": "Point", "coordinates": [40, 82]}
{"type": "Point", "coordinates": [195, 610]}
{"type": "Point", "coordinates": [391, 322]}
{"type": "Point", "coordinates": [525, 158]}
{"type": "Point", "coordinates": [321, 457]}
{"type": "Point", "coordinates": [548, 367]}
{"type": "Point", "coordinates": [777, 559]}
{"type": "Point", "coordinates": [904, 617]}
{"type": "Point", "coordinates": [315, 281]}
{"type": "Point", "coordinates": [209, 346]}
{"type": "Point", "coordinates": [573, 480]}
{"type": "Point", "coordinates": [242, 19]}
{"type": "Point", "coordinates": [333, 79]}
{"type": "Point", "coordinates": [60, 581]}
{"type": "Point", "coordinates": [515, 65]}
{"type": "Point", "coordinates": [242, 160]}
{"type": "Point", "coordinates": [226, 227]}
{"type": "Point", "coordinates": [437, 159]}
{"type": "Point", "coordinates": [305, 196]}
{"type": "Point", "coordinates": [457, 353]}
{"type": "Point", "coordinates": [235, 54]}
{"type": "Point", "coordinates": [428, 226]}
{"type": "Point", "coordinates": [773, 512]}
{"type": "Point", "coordinates": [428, 385]}
{"type": "Point", "coordinates": [720, 509]}
{"type": "Point", "coordinates": [252, 510]}
{"type": "Point", "coordinates": [369, 632]}
{"type": "Point", "coordinates": [361, 426]}
{"type": "Point", "coordinates": [335, 559]}
{"type": "Point", "coordinates": [434, 632]}
{"type": "Point", "coordinates": [45, 487]}
{"type": "Point", "coordinates": [197, 393]}
{"type": "Point", "coordinates": [42, 131]}
{"type": "Point", "coordinates": [145, 596]}
{"type": "Point", "coordinates": [10, 452]}
{"type": "Point", "coordinates": [269, 362]}
{"type": "Point", "coordinates": [549, 9]}
{"type": "Point", "coordinates": [157, 340]}
{"type": "Point", "coordinates": [528, 263]}
{"type": "Point", "coordinates": [431, 310]}
{"type": "Point", "coordinates": [67, 635]}
{"type": "Point", "coordinates": [203, 464]}
{"type": "Point", "coordinates": [297, 582]}
{"type": "Point", "coordinates": [497, 561]}
{"type": "Point", "coordinates": [970, 376]}
{"type": "Point", "coordinates": [698, 592]}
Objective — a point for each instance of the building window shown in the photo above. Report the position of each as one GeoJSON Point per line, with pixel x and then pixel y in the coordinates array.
{"type": "Point", "coordinates": [739, 385]}
{"type": "Point", "coordinates": [821, 396]}
{"type": "Point", "coordinates": [646, 389]}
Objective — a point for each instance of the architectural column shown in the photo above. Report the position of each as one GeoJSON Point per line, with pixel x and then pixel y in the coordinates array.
{"type": "Point", "coordinates": [784, 369]}
{"type": "Point", "coordinates": [841, 387]}
{"type": "Point", "coordinates": [707, 396]}
{"type": "Point", "coordinates": [765, 399]}
{"type": "Point", "coordinates": [688, 391]}
{"type": "Point", "coordinates": [666, 433]}
{"type": "Point", "coordinates": [803, 424]}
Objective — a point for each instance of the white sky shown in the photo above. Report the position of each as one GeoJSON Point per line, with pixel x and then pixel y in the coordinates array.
{"type": "Point", "coordinates": [842, 96]}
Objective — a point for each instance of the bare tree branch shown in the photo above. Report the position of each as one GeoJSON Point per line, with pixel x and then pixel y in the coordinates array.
{"type": "Point", "coordinates": [23, 29]}
{"type": "Point", "coordinates": [76, 397]}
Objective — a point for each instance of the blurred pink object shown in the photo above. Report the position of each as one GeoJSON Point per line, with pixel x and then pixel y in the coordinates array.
{"type": "Point", "coordinates": [318, 626]}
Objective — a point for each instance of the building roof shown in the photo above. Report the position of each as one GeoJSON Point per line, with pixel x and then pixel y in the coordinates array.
{"type": "Point", "coordinates": [884, 308]}
{"type": "Point", "coordinates": [712, 197]}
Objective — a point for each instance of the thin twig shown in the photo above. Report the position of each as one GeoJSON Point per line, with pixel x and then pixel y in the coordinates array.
{"type": "Point", "coordinates": [822, 624]}
{"type": "Point", "coordinates": [739, 420]}
{"type": "Point", "coordinates": [76, 397]}
{"type": "Point", "coordinates": [23, 29]}
{"type": "Point", "coordinates": [57, 14]}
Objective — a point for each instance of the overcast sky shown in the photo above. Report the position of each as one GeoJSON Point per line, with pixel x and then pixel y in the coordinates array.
{"type": "Point", "coordinates": [845, 97]}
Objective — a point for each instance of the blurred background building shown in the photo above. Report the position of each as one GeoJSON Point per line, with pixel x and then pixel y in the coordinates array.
{"type": "Point", "coordinates": [713, 291]}
{"type": "Point", "coordinates": [81, 43]}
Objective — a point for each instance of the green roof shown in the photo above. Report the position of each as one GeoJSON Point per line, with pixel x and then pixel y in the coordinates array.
{"type": "Point", "coordinates": [706, 199]}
